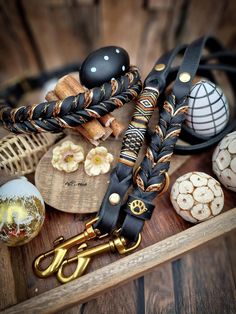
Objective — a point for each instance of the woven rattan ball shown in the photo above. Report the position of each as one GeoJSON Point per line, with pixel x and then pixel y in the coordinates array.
{"type": "Point", "coordinates": [20, 154]}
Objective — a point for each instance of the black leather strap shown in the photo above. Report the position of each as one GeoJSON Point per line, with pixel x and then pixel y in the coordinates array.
{"type": "Point", "coordinates": [198, 143]}
{"type": "Point", "coordinates": [122, 176]}
{"type": "Point", "coordinates": [13, 92]}
{"type": "Point", "coordinates": [132, 224]}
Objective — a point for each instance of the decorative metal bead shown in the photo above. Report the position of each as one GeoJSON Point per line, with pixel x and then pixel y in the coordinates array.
{"type": "Point", "coordinates": [114, 198]}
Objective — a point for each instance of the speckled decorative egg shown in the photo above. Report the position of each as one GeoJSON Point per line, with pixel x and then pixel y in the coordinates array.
{"type": "Point", "coordinates": [196, 197]}
{"type": "Point", "coordinates": [22, 212]}
{"type": "Point", "coordinates": [224, 161]}
{"type": "Point", "coordinates": [102, 65]}
{"type": "Point", "coordinates": [208, 111]}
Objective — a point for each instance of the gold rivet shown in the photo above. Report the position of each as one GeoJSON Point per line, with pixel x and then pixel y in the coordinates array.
{"type": "Point", "coordinates": [114, 198]}
{"type": "Point", "coordinates": [184, 77]}
{"type": "Point", "coordinates": [160, 67]}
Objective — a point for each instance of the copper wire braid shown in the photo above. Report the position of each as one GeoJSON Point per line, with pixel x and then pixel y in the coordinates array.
{"type": "Point", "coordinates": [72, 111]}
{"type": "Point", "coordinates": [151, 175]}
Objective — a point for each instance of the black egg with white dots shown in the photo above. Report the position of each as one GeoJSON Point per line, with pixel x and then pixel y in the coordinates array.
{"type": "Point", "coordinates": [102, 65]}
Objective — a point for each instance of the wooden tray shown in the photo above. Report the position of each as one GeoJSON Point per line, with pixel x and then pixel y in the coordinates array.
{"type": "Point", "coordinates": [165, 237]}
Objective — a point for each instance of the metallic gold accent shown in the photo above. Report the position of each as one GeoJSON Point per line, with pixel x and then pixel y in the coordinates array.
{"type": "Point", "coordinates": [60, 249]}
{"type": "Point", "coordinates": [85, 254]}
{"type": "Point", "coordinates": [137, 207]}
{"type": "Point", "coordinates": [114, 199]}
{"type": "Point", "coordinates": [138, 125]}
{"type": "Point", "coordinates": [160, 67]}
{"type": "Point", "coordinates": [184, 77]}
{"type": "Point", "coordinates": [136, 171]}
{"type": "Point", "coordinates": [166, 186]}
{"type": "Point", "coordinates": [152, 89]}
{"type": "Point", "coordinates": [126, 162]}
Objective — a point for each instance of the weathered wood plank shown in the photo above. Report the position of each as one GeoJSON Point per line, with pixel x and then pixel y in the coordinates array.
{"type": "Point", "coordinates": [203, 282]}
{"type": "Point", "coordinates": [7, 283]}
{"type": "Point", "coordinates": [230, 240]}
{"type": "Point", "coordinates": [121, 24]}
{"type": "Point", "coordinates": [159, 292]}
{"type": "Point", "coordinates": [122, 300]}
{"type": "Point", "coordinates": [110, 276]}
{"type": "Point", "coordinates": [206, 17]}
{"type": "Point", "coordinates": [17, 56]}
{"type": "Point", "coordinates": [65, 31]}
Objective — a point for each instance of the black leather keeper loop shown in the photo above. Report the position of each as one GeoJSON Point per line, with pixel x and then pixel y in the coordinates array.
{"type": "Point", "coordinates": [139, 208]}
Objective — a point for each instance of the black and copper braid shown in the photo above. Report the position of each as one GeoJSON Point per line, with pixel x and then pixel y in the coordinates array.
{"type": "Point", "coordinates": [150, 176]}
{"type": "Point", "coordinates": [72, 111]}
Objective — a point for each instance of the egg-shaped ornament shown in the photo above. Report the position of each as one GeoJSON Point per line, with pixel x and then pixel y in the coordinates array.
{"type": "Point", "coordinates": [196, 197]}
{"type": "Point", "coordinates": [22, 212]}
{"type": "Point", "coordinates": [224, 161]}
{"type": "Point", "coordinates": [208, 111]}
{"type": "Point", "coordinates": [102, 65]}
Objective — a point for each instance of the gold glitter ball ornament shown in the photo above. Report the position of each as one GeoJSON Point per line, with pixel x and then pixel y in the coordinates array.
{"type": "Point", "coordinates": [22, 212]}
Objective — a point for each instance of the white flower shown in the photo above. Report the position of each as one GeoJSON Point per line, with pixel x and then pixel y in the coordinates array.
{"type": "Point", "coordinates": [67, 156]}
{"type": "Point", "coordinates": [98, 161]}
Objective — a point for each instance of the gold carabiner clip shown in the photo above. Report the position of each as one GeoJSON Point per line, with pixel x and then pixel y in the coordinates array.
{"type": "Point", "coordinates": [85, 254]}
{"type": "Point", "coordinates": [61, 248]}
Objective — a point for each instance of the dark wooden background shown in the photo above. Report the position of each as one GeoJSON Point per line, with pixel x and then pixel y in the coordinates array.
{"type": "Point", "coordinates": [42, 35]}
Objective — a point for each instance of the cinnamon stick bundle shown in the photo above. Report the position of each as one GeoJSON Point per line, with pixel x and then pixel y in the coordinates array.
{"type": "Point", "coordinates": [94, 130]}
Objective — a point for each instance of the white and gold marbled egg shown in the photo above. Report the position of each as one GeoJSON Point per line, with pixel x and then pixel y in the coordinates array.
{"type": "Point", "coordinates": [224, 161]}
{"type": "Point", "coordinates": [196, 197]}
{"type": "Point", "coordinates": [22, 212]}
{"type": "Point", "coordinates": [208, 109]}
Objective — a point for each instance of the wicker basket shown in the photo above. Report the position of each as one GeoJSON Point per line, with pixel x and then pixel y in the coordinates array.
{"type": "Point", "coordinates": [20, 154]}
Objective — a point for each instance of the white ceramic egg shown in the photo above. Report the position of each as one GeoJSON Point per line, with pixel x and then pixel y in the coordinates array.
{"type": "Point", "coordinates": [22, 212]}
{"type": "Point", "coordinates": [208, 111]}
{"type": "Point", "coordinates": [196, 197]}
{"type": "Point", "coordinates": [224, 161]}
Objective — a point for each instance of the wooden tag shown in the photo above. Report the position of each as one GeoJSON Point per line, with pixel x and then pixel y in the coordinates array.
{"type": "Point", "coordinates": [74, 192]}
{"type": "Point", "coordinates": [77, 192]}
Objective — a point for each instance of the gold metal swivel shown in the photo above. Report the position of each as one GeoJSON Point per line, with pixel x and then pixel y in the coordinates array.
{"type": "Point", "coordinates": [60, 249]}
{"type": "Point", "coordinates": [83, 258]}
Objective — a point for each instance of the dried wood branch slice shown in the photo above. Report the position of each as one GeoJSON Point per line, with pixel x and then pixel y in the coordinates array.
{"type": "Point", "coordinates": [196, 197]}
{"type": "Point", "coordinates": [224, 161]}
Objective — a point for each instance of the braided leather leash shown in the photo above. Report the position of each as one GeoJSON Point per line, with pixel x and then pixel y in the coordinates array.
{"type": "Point", "coordinates": [54, 116]}
{"type": "Point", "coordinates": [118, 214]}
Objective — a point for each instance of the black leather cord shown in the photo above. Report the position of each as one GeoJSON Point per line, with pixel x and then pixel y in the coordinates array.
{"type": "Point", "coordinates": [198, 143]}
{"type": "Point", "coordinates": [122, 176]}
{"type": "Point", "coordinates": [162, 142]}
{"type": "Point", "coordinates": [13, 92]}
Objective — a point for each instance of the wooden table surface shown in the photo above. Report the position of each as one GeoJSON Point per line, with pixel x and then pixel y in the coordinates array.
{"type": "Point", "coordinates": [202, 281]}
{"type": "Point", "coordinates": [41, 35]}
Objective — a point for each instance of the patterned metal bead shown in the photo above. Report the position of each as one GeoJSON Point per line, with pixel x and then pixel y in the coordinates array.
{"type": "Point", "coordinates": [135, 134]}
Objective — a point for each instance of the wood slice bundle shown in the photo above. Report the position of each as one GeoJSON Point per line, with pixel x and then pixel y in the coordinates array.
{"type": "Point", "coordinates": [19, 155]}
{"type": "Point", "coordinates": [95, 130]}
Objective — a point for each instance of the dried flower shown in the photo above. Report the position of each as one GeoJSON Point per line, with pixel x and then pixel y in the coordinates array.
{"type": "Point", "coordinates": [67, 156]}
{"type": "Point", "coordinates": [98, 161]}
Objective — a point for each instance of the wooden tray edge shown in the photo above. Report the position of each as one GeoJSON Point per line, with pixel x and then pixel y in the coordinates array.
{"type": "Point", "coordinates": [127, 268]}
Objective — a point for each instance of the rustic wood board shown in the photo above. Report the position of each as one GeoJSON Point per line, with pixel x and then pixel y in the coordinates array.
{"type": "Point", "coordinates": [128, 267]}
{"type": "Point", "coordinates": [74, 192]}
{"type": "Point", "coordinates": [165, 223]}
{"type": "Point", "coordinates": [77, 192]}
{"type": "Point", "coordinates": [46, 36]}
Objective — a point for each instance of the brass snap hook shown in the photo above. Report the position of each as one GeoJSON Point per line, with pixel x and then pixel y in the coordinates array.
{"type": "Point", "coordinates": [85, 254]}
{"type": "Point", "coordinates": [61, 248]}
